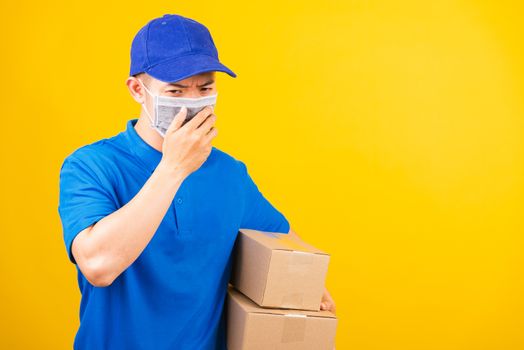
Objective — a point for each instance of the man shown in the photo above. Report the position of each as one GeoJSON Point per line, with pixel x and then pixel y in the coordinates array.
{"type": "Point", "coordinates": [150, 216]}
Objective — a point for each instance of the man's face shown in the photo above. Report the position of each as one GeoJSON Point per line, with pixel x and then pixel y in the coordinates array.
{"type": "Point", "coordinates": [198, 85]}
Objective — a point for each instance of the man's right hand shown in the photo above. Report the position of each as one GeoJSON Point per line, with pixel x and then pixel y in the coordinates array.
{"type": "Point", "coordinates": [186, 147]}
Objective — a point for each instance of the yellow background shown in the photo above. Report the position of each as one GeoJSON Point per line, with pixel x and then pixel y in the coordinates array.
{"type": "Point", "coordinates": [390, 133]}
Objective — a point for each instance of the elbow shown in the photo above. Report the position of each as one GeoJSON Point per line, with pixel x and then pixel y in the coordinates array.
{"type": "Point", "coordinates": [101, 282]}
{"type": "Point", "coordinates": [97, 272]}
{"type": "Point", "coordinates": [96, 267]}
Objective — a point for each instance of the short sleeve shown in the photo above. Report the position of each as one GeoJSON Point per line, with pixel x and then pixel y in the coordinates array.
{"type": "Point", "coordinates": [83, 200]}
{"type": "Point", "coordinates": [259, 213]}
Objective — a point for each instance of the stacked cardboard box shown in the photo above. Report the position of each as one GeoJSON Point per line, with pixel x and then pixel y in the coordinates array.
{"type": "Point", "coordinates": [274, 301]}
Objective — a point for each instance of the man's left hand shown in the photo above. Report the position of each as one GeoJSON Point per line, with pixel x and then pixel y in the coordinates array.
{"type": "Point", "coordinates": [327, 302]}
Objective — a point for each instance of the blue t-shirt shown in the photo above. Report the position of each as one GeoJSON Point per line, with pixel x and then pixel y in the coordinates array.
{"type": "Point", "coordinates": [172, 296]}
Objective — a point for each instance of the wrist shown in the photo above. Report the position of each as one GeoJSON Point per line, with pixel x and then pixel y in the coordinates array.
{"type": "Point", "coordinates": [172, 174]}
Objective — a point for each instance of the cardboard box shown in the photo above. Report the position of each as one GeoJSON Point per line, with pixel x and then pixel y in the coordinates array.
{"type": "Point", "coordinates": [251, 327]}
{"type": "Point", "coordinates": [279, 271]}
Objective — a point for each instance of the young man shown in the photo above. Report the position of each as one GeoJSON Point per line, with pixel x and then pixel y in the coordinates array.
{"type": "Point", "coordinates": [150, 215]}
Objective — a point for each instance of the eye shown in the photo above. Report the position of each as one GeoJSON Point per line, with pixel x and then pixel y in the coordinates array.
{"type": "Point", "coordinates": [205, 89]}
{"type": "Point", "coordinates": [174, 91]}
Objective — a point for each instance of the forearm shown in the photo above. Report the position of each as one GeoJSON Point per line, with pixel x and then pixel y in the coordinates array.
{"type": "Point", "coordinates": [117, 240]}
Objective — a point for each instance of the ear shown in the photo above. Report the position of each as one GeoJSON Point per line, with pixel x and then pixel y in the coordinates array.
{"type": "Point", "coordinates": [136, 90]}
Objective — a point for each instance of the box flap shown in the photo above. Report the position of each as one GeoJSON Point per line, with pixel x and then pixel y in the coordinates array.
{"type": "Point", "coordinates": [250, 306]}
{"type": "Point", "coordinates": [280, 241]}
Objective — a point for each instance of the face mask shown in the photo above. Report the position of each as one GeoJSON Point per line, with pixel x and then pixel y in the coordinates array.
{"type": "Point", "coordinates": [167, 107]}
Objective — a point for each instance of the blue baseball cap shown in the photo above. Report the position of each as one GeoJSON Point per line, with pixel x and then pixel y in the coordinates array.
{"type": "Point", "coordinates": [173, 48]}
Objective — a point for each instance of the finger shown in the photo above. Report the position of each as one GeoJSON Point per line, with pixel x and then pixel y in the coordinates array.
{"type": "Point", "coordinates": [177, 121]}
{"type": "Point", "coordinates": [330, 307]}
{"type": "Point", "coordinates": [210, 135]}
{"type": "Point", "coordinates": [206, 125]}
{"type": "Point", "coordinates": [211, 129]}
{"type": "Point", "coordinates": [333, 310]}
{"type": "Point", "coordinates": [200, 117]}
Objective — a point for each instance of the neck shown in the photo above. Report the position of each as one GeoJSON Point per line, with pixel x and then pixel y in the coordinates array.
{"type": "Point", "coordinates": [147, 133]}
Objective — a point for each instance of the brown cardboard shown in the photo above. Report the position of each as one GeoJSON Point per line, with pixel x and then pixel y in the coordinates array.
{"type": "Point", "coordinates": [251, 327]}
{"type": "Point", "coordinates": [277, 270]}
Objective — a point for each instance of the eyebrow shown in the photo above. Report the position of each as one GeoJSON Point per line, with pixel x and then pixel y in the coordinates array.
{"type": "Point", "coordinates": [185, 86]}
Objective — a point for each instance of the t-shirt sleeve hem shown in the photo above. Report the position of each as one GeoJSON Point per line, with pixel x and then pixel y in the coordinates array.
{"type": "Point", "coordinates": [76, 229]}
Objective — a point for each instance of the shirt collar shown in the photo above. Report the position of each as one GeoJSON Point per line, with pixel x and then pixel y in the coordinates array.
{"type": "Point", "coordinates": [146, 154]}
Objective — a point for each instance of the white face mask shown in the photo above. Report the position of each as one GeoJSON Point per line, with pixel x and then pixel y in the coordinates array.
{"type": "Point", "coordinates": [167, 107]}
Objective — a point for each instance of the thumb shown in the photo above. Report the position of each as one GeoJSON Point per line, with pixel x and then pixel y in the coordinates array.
{"type": "Point", "coordinates": [178, 120]}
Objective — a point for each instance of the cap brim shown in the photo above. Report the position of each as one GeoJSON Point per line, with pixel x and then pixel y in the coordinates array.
{"type": "Point", "coordinates": [171, 71]}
